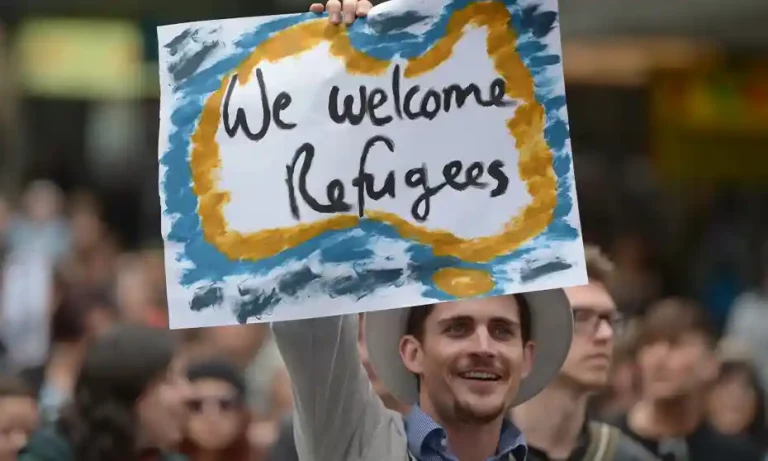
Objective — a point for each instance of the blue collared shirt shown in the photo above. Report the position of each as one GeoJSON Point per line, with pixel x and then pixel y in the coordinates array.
{"type": "Point", "coordinates": [427, 441]}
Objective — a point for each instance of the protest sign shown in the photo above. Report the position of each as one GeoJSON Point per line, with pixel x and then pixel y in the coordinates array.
{"type": "Point", "coordinates": [420, 155]}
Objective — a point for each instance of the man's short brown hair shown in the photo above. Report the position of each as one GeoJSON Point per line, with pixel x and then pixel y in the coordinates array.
{"type": "Point", "coordinates": [599, 267]}
{"type": "Point", "coordinates": [670, 318]}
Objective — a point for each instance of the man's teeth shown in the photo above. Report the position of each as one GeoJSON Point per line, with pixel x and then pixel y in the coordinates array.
{"type": "Point", "coordinates": [480, 375]}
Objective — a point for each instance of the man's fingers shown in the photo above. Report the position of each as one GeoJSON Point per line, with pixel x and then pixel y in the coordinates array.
{"type": "Point", "coordinates": [363, 7]}
{"type": "Point", "coordinates": [317, 8]}
{"type": "Point", "coordinates": [349, 8]}
{"type": "Point", "coordinates": [334, 11]}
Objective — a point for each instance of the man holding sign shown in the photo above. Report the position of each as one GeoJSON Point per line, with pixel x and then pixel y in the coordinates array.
{"type": "Point", "coordinates": [461, 365]}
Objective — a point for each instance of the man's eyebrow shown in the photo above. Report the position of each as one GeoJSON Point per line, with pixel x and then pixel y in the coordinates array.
{"type": "Point", "coordinates": [470, 319]}
{"type": "Point", "coordinates": [505, 320]}
{"type": "Point", "coordinates": [455, 319]}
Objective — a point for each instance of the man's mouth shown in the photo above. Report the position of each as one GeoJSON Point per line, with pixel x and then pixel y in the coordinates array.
{"type": "Point", "coordinates": [480, 376]}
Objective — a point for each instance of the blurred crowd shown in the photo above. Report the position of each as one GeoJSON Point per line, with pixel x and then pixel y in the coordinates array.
{"type": "Point", "coordinates": [85, 345]}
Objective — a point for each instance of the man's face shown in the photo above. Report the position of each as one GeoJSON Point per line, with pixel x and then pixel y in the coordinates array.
{"type": "Point", "coordinates": [675, 368]}
{"type": "Point", "coordinates": [595, 317]}
{"type": "Point", "coordinates": [470, 360]}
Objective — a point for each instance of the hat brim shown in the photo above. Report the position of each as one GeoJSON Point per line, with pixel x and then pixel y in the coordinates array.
{"type": "Point", "coordinates": [551, 331]}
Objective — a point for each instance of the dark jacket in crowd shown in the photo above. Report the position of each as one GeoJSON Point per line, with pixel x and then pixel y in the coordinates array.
{"type": "Point", "coordinates": [49, 445]}
{"type": "Point", "coordinates": [600, 442]}
{"type": "Point", "coordinates": [703, 444]}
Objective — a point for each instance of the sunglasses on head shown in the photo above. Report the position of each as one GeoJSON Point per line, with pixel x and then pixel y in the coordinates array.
{"type": "Point", "coordinates": [197, 405]}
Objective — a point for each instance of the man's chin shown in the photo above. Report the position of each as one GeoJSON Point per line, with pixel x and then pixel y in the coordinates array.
{"type": "Point", "coordinates": [480, 409]}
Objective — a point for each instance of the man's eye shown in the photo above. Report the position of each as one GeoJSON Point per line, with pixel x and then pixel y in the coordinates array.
{"type": "Point", "coordinates": [582, 316]}
{"type": "Point", "coordinates": [456, 329]}
{"type": "Point", "coordinates": [503, 332]}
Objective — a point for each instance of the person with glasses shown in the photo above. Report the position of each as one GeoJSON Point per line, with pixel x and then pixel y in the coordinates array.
{"type": "Point", "coordinates": [217, 429]}
{"type": "Point", "coordinates": [555, 422]}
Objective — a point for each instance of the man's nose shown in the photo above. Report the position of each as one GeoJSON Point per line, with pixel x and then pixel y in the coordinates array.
{"type": "Point", "coordinates": [604, 330]}
{"type": "Point", "coordinates": [483, 342]}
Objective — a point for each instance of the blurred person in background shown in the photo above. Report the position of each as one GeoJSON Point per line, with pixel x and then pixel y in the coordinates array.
{"type": "Point", "coordinates": [623, 388]}
{"type": "Point", "coordinates": [677, 364]}
{"type": "Point", "coordinates": [91, 258]}
{"type": "Point", "coordinates": [27, 298]}
{"type": "Point", "coordinates": [138, 300]}
{"type": "Point", "coordinates": [41, 228]}
{"type": "Point", "coordinates": [555, 422]}
{"type": "Point", "coordinates": [18, 416]}
{"type": "Point", "coordinates": [634, 282]}
{"type": "Point", "coordinates": [736, 403]}
{"type": "Point", "coordinates": [129, 403]}
{"type": "Point", "coordinates": [79, 318]}
{"type": "Point", "coordinates": [252, 349]}
{"type": "Point", "coordinates": [748, 320]}
{"type": "Point", "coordinates": [219, 418]}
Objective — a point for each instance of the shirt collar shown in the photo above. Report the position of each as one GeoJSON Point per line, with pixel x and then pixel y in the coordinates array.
{"type": "Point", "coordinates": [425, 435]}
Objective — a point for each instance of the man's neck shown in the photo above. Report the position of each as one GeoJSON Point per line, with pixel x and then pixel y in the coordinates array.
{"type": "Point", "coordinates": [657, 419]}
{"type": "Point", "coordinates": [472, 442]}
{"type": "Point", "coordinates": [469, 442]}
{"type": "Point", "coordinates": [553, 420]}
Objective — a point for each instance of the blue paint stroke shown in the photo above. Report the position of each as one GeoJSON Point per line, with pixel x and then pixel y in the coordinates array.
{"type": "Point", "coordinates": [353, 246]}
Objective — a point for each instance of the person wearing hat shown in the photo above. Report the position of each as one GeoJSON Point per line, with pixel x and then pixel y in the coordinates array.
{"type": "Point", "coordinates": [460, 366]}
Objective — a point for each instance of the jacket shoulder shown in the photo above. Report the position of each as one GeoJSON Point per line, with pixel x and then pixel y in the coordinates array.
{"type": "Point", "coordinates": [628, 449]}
{"type": "Point", "coordinates": [47, 444]}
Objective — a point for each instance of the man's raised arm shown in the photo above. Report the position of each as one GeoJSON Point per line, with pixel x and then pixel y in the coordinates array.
{"type": "Point", "coordinates": [335, 408]}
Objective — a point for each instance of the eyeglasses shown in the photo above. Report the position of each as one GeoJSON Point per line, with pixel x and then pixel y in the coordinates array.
{"type": "Point", "coordinates": [586, 322]}
{"type": "Point", "coordinates": [224, 404]}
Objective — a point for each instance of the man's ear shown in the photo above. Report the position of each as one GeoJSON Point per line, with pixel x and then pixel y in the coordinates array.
{"type": "Point", "coordinates": [529, 351]}
{"type": "Point", "coordinates": [411, 354]}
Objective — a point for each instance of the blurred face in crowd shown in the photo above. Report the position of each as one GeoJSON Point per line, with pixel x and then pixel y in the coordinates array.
{"type": "Point", "coordinates": [595, 319]}
{"type": "Point", "coordinates": [239, 343]}
{"type": "Point", "coordinates": [43, 201]}
{"type": "Point", "coordinates": [470, 359]}
{"type": "Point", "coordinates": [87, 230]}
{"type": "Point", "coordinates": [676, 367]}
{"type": "Point", "coordinates": [18, 419]}
{"type": "Point", "coordinates": [733, 402]}
{"type": "Point", "coordinates": [162, 410]}
{"type": "Point", "coordinates": [218, 415]}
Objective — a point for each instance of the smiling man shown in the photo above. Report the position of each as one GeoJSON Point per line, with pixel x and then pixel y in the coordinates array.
{"type": "Point", "coordinates": [555, 421]}
{"type": "Point", "coordinates": [459, 366]}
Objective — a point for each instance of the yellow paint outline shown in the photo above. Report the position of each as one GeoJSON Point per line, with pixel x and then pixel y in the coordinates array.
{"type": "Point", "coordinates": [526, 127]}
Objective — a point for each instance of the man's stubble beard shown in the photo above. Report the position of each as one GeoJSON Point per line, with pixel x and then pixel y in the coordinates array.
{"type": "Point", "coordinates": [460, 413]}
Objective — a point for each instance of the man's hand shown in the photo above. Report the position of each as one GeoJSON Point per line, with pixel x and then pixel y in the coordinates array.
{"type": "Point", "coordinates": [348, 9]}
